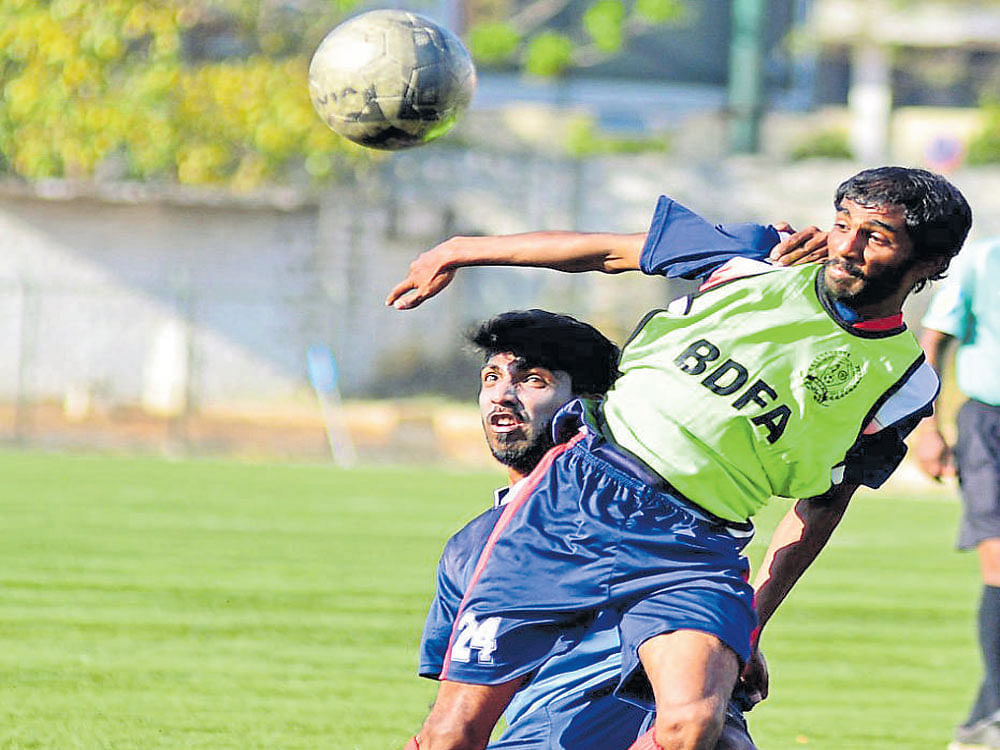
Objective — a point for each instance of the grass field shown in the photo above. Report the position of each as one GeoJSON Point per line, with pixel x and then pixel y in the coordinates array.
{"type": "Point", "coordinates": [154, 604]}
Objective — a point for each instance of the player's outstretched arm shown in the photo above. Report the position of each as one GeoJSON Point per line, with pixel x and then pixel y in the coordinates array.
{"type": "Point", "coordinates": [564, 251]}
{"type": "Point", "coordinates": [795, 544]}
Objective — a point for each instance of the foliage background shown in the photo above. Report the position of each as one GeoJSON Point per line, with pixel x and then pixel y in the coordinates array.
{"type": "Point", "coordinates": [213, 91]}
{"type": "Point", "coordinates": [197, 93]}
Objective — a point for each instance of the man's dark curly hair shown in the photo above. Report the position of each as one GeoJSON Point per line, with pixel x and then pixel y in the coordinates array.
{"type": "Point", "coordinates": [555, 342]}
{"type": "Point", "coordinates": [938, 217]}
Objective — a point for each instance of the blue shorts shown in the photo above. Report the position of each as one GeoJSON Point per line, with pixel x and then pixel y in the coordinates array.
{"type": "Point", "coordinates": [584, 533]}
{"type": "Point", "coordinates": [589, 720]}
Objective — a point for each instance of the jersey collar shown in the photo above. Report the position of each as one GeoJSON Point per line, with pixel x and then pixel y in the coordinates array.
{"type": "Point", "coordinates": [851, 320]}
{"type": "Point", "coordinates": [851, 317]}
{"type": "Point", "coordinates": [503, 494]}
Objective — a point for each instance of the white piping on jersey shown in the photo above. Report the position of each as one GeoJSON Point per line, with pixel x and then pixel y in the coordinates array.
{"type": "Point", "coordinates": [504, 495]}
{"type": "Point", "coordinates": [917, 393]}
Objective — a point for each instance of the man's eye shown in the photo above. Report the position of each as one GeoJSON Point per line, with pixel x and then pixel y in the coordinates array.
{"type": "Point", "coordinates": [490, 378]}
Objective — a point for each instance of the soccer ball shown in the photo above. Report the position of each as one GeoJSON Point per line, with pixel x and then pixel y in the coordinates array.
{"type": "Point", "coordinates": [390, 79]}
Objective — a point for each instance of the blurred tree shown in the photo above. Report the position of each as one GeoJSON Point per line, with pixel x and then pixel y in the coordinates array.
{"type": "Point", "coordinates": [197, 92]}
{"type": "Point", "coordinates": [984, 146]}
{"type": "Point", "coordinates": [548, 37]}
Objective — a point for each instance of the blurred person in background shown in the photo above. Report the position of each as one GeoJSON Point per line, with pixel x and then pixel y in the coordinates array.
{"type": "Point", "coordinates": [966, 311]}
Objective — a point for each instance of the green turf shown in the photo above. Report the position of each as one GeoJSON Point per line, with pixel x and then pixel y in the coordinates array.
{"type": "Point", "coordinates": [876, 648]}
{"type": "Point", "coordinates": [153, 604]}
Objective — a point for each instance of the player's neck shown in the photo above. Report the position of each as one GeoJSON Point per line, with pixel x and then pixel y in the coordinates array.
{"type": "Point", "coordinates": [883, 315]}
{"type": "Point", "coordinates": [889, 308]}
{"type": "Point", "coordinates": [514, 476]}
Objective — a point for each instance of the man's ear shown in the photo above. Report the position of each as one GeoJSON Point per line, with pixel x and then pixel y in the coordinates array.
{"type": "Point", "coordinates": [929, 268]}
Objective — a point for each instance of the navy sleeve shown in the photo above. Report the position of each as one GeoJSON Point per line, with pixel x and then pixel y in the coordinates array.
{"type": "Point", "coordinates": [682, 244]}
{"type": "Point", "coordinates": [873, 458]}
{"type": "Point", "coordinates": [455, 568]}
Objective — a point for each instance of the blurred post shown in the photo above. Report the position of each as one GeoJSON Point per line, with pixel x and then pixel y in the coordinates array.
{"type": "Point", "coordinates": [26, 356]}
{"type": "Point", "coordinates": [323, 376]}
{"type": "Point", "coordinates": [870, 101]}
{"type": "Point", "coordinates": [746, 88]}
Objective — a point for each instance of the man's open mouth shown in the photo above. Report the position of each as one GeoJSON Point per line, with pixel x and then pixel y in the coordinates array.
{"type": "Point", "coordinates": [504, 422]}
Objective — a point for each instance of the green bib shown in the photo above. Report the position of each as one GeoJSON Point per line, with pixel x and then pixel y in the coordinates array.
{"type": "Point", "coordinates": [755, 390]}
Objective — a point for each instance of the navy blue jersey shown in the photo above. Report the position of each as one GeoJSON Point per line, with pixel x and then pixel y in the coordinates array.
{"type": "Point", "coordinates": [454, 572]}
{"type": "Point", "coordinates": [579, 676]}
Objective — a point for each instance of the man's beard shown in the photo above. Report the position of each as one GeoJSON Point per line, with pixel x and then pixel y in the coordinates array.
{"type": "Point", "coordinates": [875, 289]}
{"type": "Point", "coordinates": [521, 453]}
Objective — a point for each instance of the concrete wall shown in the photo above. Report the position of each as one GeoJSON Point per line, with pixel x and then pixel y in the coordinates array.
{"type": "Point", "coordinates": [177, 300]}
{"type": "Point", "coordinates": [121, 298]}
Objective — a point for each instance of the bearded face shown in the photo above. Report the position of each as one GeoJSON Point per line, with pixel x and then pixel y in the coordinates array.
{"type": "Point", "coordinates": [517, 403]}
{"type": "Point", "coordinates": [848, 282]}
{"type": "Point", "coordinates": [871, 266]}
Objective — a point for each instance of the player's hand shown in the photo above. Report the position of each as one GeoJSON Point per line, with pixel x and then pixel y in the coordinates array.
{"type": "Point", "coordinates": [428, 275]}
{"type": "Point", "coordinates": [806, 246]}
{"type": "Point", "coordinates": [934, 454]}
{"type": "Point", "coordinates": [754, 683]}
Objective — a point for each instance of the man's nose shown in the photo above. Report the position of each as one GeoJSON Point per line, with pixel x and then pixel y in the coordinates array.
{"type": "Point", "coordinates": [853, 245]}
{"type": "Point", "coordinates": [505, 392]}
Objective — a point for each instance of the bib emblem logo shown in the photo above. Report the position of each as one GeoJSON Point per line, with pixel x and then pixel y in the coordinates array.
{"type": "Point", "coordinates": [832, 375]}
